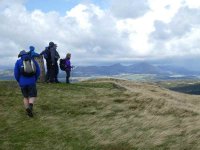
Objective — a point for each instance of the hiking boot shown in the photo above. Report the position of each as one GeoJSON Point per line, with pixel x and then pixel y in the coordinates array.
{"type": "Point", "coordinates": [31, 107]}
{"type": "Point", "coordinates": [29, 112]}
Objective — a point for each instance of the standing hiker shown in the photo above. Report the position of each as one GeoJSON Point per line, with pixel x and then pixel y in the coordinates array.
{"type": "Point", "coordinates": [32, 52]}
{"type": "Point", "coordinates": [68, 67]}
{"type": "Point", "coordinates": [52, 64]}
{"type": "Point", "coordinates": [52, 56]}
{"type": "Point", "coordinates": [26, 73]}
{"type": "Point", "coordinates": [39, 59]}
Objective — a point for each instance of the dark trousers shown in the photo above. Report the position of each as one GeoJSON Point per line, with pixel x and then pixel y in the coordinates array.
{"type": "Point", "coordinates": [67, 76]}
{"type": "Point", "coordinates": [54, 72]}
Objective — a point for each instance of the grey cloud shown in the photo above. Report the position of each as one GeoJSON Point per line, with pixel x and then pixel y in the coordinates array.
{"type": "Point", "coordinates": [7, 3]}
{"type": "Point", "coordinates": [177, 36]}
{"type": "Point", "coordinates": [129, 8]}
{"type": "Point", "coordinates": [180, 24]}
{"type": "Point", "coordinates": [167, 7]}
{"type": "Point", "coordinates": [162, 31]}
{"type": "Point", "coordinates": [184, 20]}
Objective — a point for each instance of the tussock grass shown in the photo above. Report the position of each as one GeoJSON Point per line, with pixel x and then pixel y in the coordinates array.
{"type": "Point", "coordinates": [105, 114]}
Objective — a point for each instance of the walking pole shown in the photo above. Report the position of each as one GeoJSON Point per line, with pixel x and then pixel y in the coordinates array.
{"type": "Point", "coordinates": [72, 70]}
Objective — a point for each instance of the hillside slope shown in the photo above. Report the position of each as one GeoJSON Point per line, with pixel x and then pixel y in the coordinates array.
{"type": "Point", "coordinates": [100, 114]}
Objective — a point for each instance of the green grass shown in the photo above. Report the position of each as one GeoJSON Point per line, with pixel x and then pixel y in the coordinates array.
{"type": "Point", "coordinates": [186, 86]}
{"type": "Point", "coordinates": [93, 116]}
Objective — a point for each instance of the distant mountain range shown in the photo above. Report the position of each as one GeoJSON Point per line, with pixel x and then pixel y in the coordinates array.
{"type": "Point", "coordinates": [6, 74]}
{"type": "Point", "coordinates": [119, 69]}
{"type": "Point", "coordinates": [137, 68]}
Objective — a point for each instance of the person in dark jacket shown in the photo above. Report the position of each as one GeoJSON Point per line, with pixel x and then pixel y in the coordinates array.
{"type": "Point", "coordinates": [54, 70]}
{"type": "Point", "coordinates": [27, 83]}
{"type": "Point", "coordinates": [68, 67]}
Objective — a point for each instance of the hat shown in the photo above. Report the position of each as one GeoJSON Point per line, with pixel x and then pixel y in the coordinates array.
{"type": "Point", "coordinates": [32, 48]}
{"type": "Point", "coordinates": [23, 52]}
{"type": "Point", "coordinates": [51, 44]}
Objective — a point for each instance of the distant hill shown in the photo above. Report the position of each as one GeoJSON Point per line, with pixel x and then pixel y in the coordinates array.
{"type": "Point", "coordinates": [137, 68]}
{"type": "Point", "coordinates": [104, 114]}
{"type": "Point", "coordinates": [183, 86]}
{"type": "Point", "coordinates": [144, 68]}
{"type": "Point", "coordinates": [118, 69]}
{"type": "Point", "coordinates": [7, 74]}
{"type": "Point", "coordinates": [177, 70]}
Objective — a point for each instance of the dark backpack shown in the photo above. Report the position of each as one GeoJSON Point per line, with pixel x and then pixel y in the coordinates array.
{"type": "Point", "coordinates": [28, 68]}
{"type": "Point", "coordinates": [62, 64]}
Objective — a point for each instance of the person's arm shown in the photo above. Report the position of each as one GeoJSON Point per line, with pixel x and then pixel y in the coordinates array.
{"type": "Point", "coordinates": [17, 71]}
{"type": "Point", "coordinates": [42, 53]}
{"type": "Point", "coordinates": [70, 65]}
{"type": "Point", "coordinates": [57, 56]}
{"type": "Point", "coordinates": [34, 54]}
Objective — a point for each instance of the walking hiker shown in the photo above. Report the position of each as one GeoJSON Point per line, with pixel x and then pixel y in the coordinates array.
{"type": "Point", "coordinates": [68, 67]}
{"type": "Point", "coordinates": [26, 73]}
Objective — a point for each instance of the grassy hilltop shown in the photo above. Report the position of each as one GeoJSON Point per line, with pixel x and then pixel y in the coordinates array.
{"type": "Point", "coordinates": [104, 114]}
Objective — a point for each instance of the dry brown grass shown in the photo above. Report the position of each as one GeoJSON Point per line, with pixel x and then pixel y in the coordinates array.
{"type": "Point", "coordinates": [147, 116]}
{"type": "Point", "coordinates": [104, 114]}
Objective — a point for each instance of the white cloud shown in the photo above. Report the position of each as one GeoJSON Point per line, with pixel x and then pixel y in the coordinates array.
{"type": "Point", "coordinates": [180, 36]}
{"type": "Point", "coordinates": [126, 31]}
{"type": "Point", "coordinates": [192, 3]}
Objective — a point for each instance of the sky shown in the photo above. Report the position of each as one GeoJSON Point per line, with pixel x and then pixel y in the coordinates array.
{"type": "Point", "coordinates": [102, 31]}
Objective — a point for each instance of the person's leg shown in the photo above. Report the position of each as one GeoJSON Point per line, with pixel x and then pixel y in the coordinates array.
{"type": "Point", "coordinates": [25, 92]}
{"type": "Point", "coordinates": [56, 72]}
{"type": "Point", "coordinates": [31, 102]}
{"type": "Point", "coordinates": [26, 103]}
{"type": "Point", "coordinates": [48, 71]}
{"type": "Point", "coordinates": [67, 76]}
{"type": "Point", "coordinates": [32, 92]}
{"type": "Point", "coordinates": [32, 95]}
{"type": "Point", "coordinates": [27, 107]}
{"type": "Point", "coordinates": [52, 74]}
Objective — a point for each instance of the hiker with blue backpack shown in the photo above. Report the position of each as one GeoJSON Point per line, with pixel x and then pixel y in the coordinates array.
{"type": "Point", "coordinates": [26, 73]}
